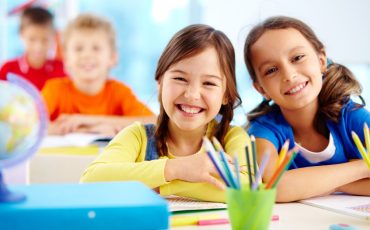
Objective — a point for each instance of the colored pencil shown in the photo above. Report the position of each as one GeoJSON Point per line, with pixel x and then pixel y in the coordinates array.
{"type": "Point", "coordinates": [212, 155]}
{"type": "Point", "coordinates": [283, 151]}
{"type": "Point", "coordinates": [367, 138]}
{"type": "Point", "coordinates": [286, 169]}
{"type": "Point", "coordinates": [227, 169]}
{"type": "Point", "coordinates": [254, 154]}
{"type": "Point", "coordinates": [277, 174]}
{"type": "Point", "coordinates": [361, 148]}
{"type": "Point", "coordinates": [262, 168]}
{"type": "Point", "coordinates": [237, 173]}
{"type": "Point", "coordinates": [249, 166]}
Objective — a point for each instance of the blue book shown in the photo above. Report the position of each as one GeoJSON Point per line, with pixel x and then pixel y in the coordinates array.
{"type": "Point", "coordinates": [105, 205]}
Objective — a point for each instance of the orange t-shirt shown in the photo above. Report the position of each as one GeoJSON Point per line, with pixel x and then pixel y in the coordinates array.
{"type": "Point", "coordinates": [61, 96]}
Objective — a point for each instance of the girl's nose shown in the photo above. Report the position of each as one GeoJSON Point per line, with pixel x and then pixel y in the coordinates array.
{"type": "Point", "coordinates": [289, 73]}
{"type": "Point", "coordinates": [192, 92]}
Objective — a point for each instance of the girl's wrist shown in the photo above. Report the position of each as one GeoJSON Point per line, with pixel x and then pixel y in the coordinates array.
{"type": "Point", "coordinates": [170, 169]}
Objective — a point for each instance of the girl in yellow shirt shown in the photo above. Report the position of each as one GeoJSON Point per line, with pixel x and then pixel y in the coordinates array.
{"type": "Point", "coordinates": [197, 86]}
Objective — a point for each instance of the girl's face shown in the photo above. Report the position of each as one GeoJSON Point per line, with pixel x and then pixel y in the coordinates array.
{"type": "Point", "coordinates": [193, 90]}
{"type": "Point", "coordinates": [288, 69]}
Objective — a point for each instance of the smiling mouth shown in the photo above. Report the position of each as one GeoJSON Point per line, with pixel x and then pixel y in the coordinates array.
{"type": "Point", "coordinates": [190, 109]}
{"type": "Point", "coordinates": [296, 89]}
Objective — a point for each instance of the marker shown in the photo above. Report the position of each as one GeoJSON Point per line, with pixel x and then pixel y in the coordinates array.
{"type": "Point", "coordinates": [275, 218]}
{"type": "Point", "coordinates": [213, 221]}
{"type": "Point", "coordinates": [191, 219]}
{"type": "Point", "coordinates": [341, 227]}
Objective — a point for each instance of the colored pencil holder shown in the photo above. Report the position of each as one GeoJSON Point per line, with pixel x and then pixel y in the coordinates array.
{"type": "Point", "coordinates": [250, 209]}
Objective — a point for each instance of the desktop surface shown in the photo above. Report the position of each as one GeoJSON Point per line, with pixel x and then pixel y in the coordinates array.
{"type": "Point", "coordinates": [293, 216]}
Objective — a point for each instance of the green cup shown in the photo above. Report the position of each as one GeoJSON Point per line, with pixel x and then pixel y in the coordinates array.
{"type": "Point", "coordinates": [250, 209]}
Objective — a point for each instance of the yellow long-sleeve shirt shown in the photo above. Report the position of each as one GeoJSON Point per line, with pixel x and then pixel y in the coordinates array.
{"type": "Point", "coordinates": [124, 159]}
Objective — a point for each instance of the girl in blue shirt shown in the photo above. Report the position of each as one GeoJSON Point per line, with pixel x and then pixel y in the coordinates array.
{"type": "Point", "coordinates": [306, 100]}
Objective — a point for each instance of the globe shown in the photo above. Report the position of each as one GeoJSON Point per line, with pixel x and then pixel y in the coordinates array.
{"type": "Point", "coordinates": [23, 122]}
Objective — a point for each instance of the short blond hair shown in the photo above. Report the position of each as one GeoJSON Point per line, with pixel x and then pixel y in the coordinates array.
{"type": "Point", "coordinates": [90, 22]}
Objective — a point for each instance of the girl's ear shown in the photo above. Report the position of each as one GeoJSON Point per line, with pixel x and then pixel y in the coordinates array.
{"type": "Point", "coordinates": [323, 61]}
{"type": "Point", "coordinates": [260, 89]}
{"type": "Point", "coordinates": [114, 59]}
{"type": "Point", "coordinates": [225, 101]}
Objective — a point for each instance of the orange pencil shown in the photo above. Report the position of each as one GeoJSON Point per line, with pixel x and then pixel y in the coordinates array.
{"type": "Point", "coordinates": [281, 168]}
{"type": "Point", "coordinates": [278, 170]}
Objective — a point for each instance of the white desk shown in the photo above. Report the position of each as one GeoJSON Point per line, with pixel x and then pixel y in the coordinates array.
{"type": "Point", "coordinates": [58, 168]}
{"type": "Point", "coordinates": [296, 216]}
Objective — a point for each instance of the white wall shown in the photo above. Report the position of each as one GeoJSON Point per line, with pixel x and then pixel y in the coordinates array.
{"type": "Point", "coordinates": [342, 25]}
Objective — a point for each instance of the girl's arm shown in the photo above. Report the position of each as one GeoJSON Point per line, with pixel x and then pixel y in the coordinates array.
{"type": "Point", "coordinates": [123, 160]}
{"type": "Point", "coordinates": [303, 183]}
{"type": "Point", "coordinates": [360, 187]}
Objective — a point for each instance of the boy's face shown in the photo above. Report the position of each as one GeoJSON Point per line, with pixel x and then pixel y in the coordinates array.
{"type": "Point", "coordinates": [37, 41]}
{"type": "Point", "coordinates": [88, 56]}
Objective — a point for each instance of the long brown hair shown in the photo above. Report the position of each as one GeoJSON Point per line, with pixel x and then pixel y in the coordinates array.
{"type": "Point", "coordinates": [189, 42]}
{"type": "Point", "coordinates": [338, 84]}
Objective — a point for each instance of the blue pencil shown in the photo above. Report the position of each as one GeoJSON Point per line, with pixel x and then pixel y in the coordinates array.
{"type": "Point", "coordinates": [236, 164]}
{"type": "Point", "coordinates": [218, 168]}
{"type": "Point", "coordinates": [211, 153]}
{"type": "Point", "coordinates": [228, 169]}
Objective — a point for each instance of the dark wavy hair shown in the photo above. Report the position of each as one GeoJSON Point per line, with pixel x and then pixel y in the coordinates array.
{"type": "Point", "coordinates": [189, 42]}
{"type": "Point", "coordinates": [338, 82]}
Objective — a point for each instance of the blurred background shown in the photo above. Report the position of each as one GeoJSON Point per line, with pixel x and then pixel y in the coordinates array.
{"type": "Point", "coordinates": [144, 27]}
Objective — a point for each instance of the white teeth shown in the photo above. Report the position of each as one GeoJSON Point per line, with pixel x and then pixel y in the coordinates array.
{"type": "Point", "coordinates": [191, 110]}
{"type": "Point", "coordinates": [297, 88]}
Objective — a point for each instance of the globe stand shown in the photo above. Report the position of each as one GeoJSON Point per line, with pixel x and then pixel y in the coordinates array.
{"type": "Point", "coordinates": [8, 196]}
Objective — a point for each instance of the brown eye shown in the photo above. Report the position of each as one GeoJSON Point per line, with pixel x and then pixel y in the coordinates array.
{"type": "Point", "coordinates": [297, 58]}
{"type": "Point", "coordinates": [271, 71]}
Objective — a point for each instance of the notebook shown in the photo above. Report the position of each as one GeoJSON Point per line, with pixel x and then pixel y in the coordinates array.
{"type": "Point", "coordinates": [74, 139]}
{"type": "Point", "coordinates": [108, 205]}
{"type": "Point", "coordinates": [178, 204]}
{"type": "Point", "coordinates": [357, 206]}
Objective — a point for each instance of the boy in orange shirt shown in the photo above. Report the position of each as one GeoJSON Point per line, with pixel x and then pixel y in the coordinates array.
{"type": "Point", "coordinates": [89, 101]}
{"type": "Point", "coordinates": [37, 33]}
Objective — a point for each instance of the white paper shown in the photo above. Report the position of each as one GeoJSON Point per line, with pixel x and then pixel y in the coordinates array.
{"type": "Point", "coordinates": [358, 206]}
{"type": "Point", "coordinates": [177, 203]}
{"type": "Point", "coordinates": [72, 139]}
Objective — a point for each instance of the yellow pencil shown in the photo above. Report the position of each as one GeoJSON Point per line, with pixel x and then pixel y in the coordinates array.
{"type": "Point", "coordinates": [282, 153]}
{"type": "Point", "coordinates": [361, 148]}
{"type": "Point", "coordinates": [367, 138]}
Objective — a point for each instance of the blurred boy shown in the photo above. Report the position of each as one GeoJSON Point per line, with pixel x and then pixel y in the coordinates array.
{"type": "Point", "coordinates": [89, 101]}
{"type": "Point", "coordinates": [37, 33]}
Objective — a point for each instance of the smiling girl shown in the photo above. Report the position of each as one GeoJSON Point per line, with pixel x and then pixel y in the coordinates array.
{"type": "Point", "coordinates": [306, 100]}
{"type": "Point", "coordinates": [196, 82]}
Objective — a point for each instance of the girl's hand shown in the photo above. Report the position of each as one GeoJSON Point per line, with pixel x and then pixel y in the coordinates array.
{"type": "Point", "coordinates": [67, 123]}
{"type": "Point", "coordinates": [103, 129]}
{"type": "Point", "coordinates": [194, 168]}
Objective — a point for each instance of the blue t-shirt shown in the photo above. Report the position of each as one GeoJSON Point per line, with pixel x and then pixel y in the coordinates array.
{"type": "Point", "coordinates": [274, 128]}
